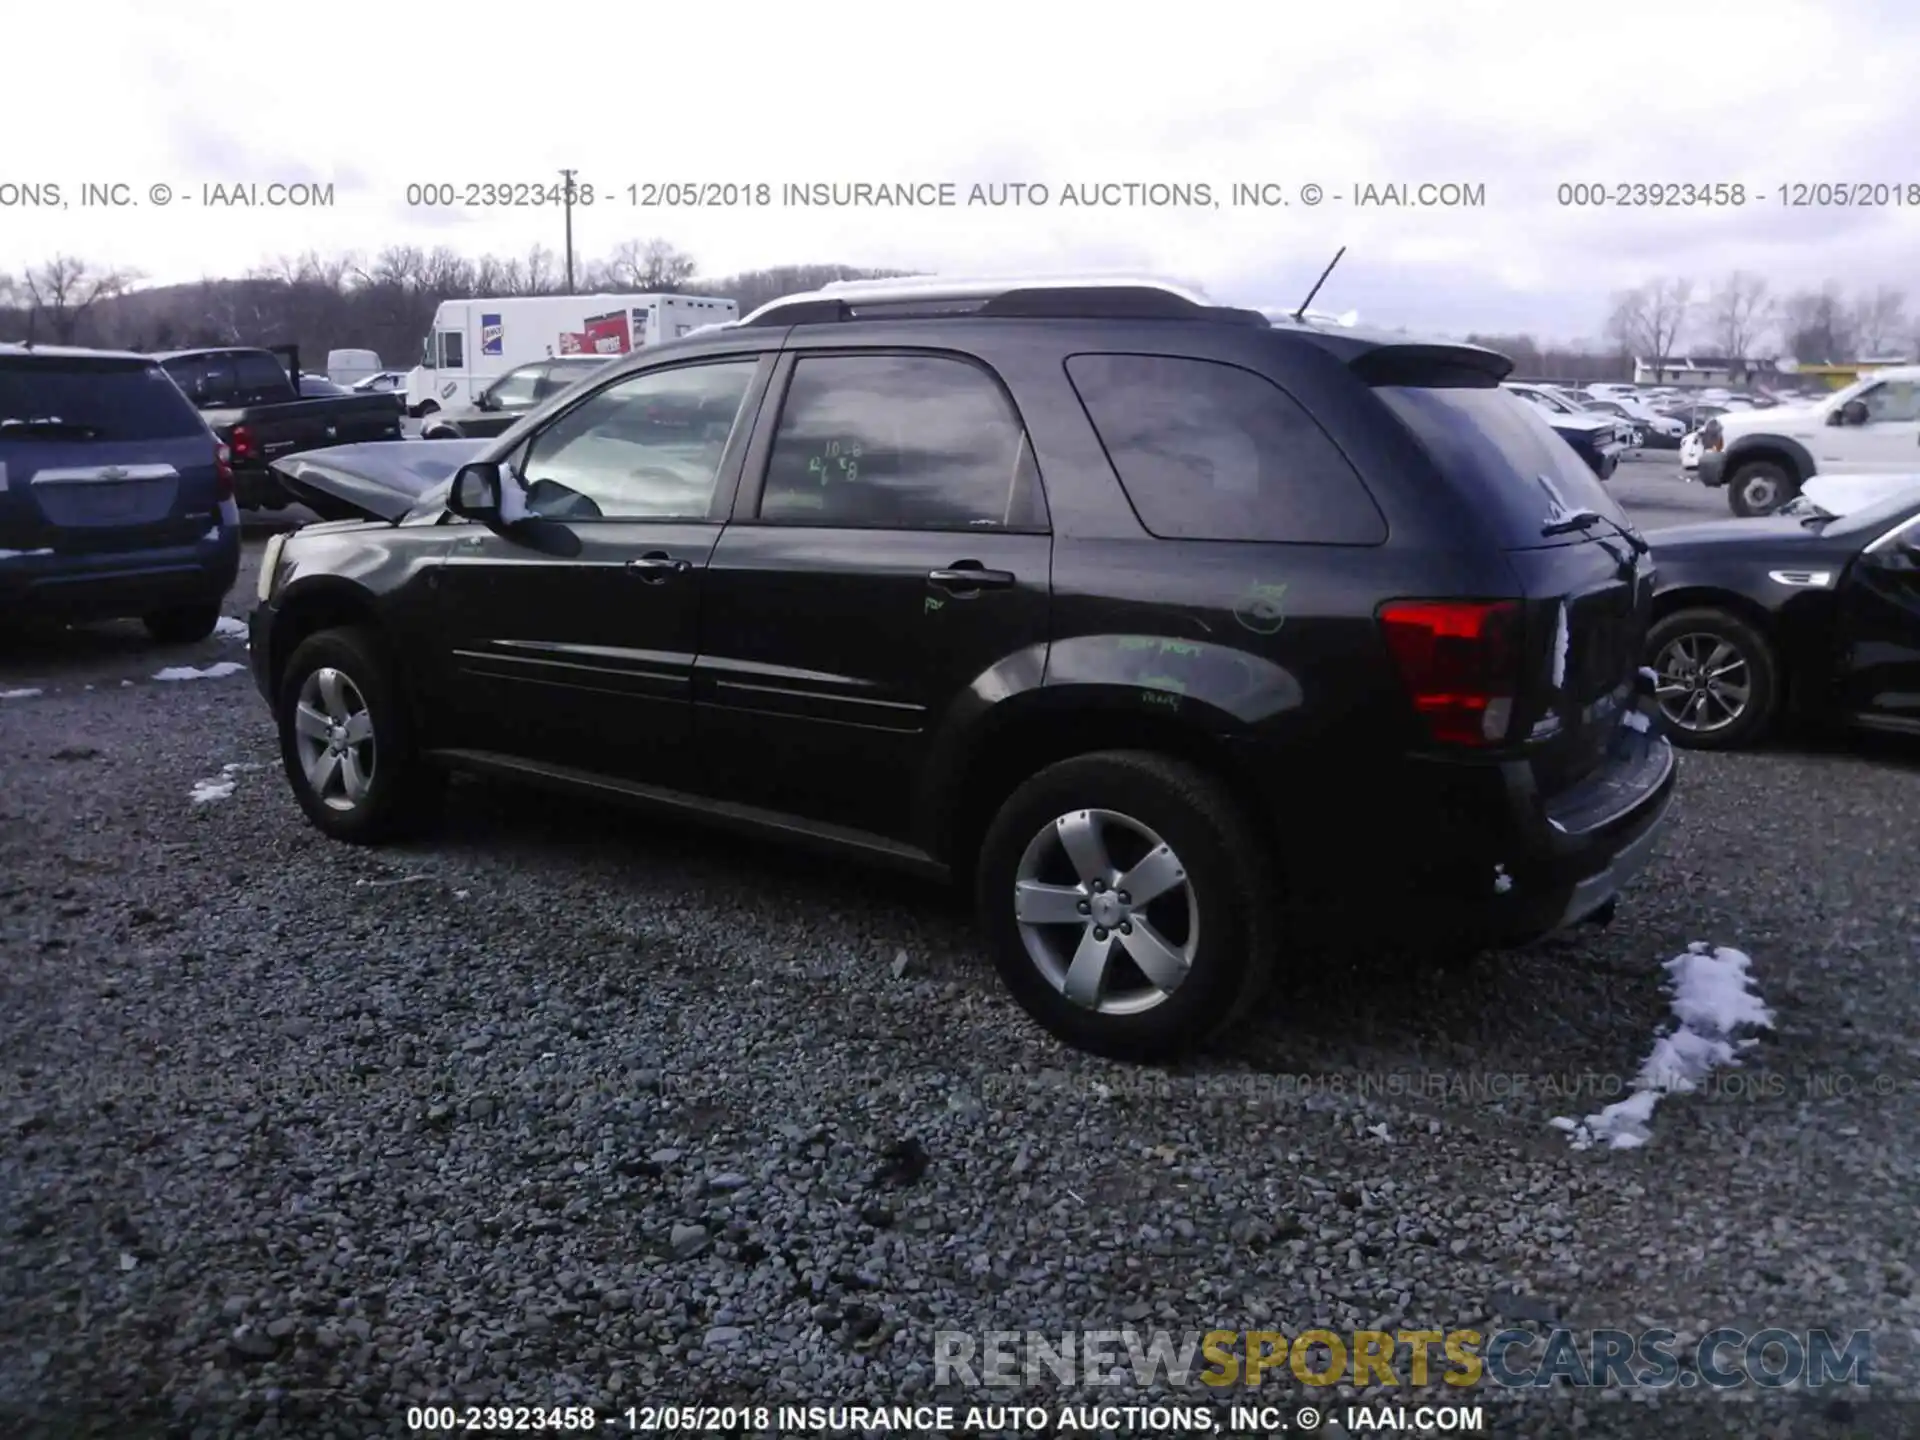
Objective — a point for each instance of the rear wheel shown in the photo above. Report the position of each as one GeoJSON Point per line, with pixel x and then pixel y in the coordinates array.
{"type": "Point", "coordinates": [183, 624]}
{"type": "Point", "coordinates": [1717, 679]}
{"type": "Point", "coordinates": [347, 744]}
{"type": "Point", "coordinates": [1129, 903]}
{"type": "Point", "coordinates": [1760, 488]}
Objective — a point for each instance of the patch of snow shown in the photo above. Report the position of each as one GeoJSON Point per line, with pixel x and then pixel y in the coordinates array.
{"type": "Point", "coordinates": [1649, 674]}
{"type": "Point", "coordinates": [220, 787]}
{"type": "Point", "coordinates": [1502, 882]}
{"type": "Point", "coordinates": [403, 880]}
{"type": "Point", "coordinates": [125, 684]}
{"type": "Point", "coordinates": [1562, 639]}
{"type": "Point", "coordinates": [1713, 1000]}
{"type": "Point", "coordinates": [213, 534]}
{"type": "Point", "coordinates": [1634, 720]}
{"type": "Point", "coordinates": [231, 628]}
{"type": "Point", "coordinates": [187, 672]}
{"type": "Point", "coordinates": [20, 694]}
{"type": "Point", "coordinates": [21, 554]}
{"type": "Point", "coordinates": [1380, 1132]}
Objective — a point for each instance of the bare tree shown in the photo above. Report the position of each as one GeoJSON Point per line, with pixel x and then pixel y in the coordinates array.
{"type": "Point", "coordinates": [1818, 325]}
{"type": "Point", "coordinates": [1648, 321]}
{"type": "Point", "coordinates": [1739, 313]}
{"type": "Point", "coordinates": [648, 266]}
{"type": "Point", "coordinates": [61, 292]}
{"type": "Point", "coordinates": [1880, 321]}
{"type": "Point", "coordinates": [539, 274]}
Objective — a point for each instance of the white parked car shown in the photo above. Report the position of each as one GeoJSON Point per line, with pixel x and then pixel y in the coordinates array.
{"type": "Point", "coordinates": [1765, 457]}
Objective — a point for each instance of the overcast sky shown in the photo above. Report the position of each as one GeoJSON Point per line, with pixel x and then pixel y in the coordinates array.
{"type": "Point", "coordinates": [1495, 95]}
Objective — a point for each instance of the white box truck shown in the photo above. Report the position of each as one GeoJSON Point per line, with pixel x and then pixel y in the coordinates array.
{"type": "Point", "coordinates": [474, 341]}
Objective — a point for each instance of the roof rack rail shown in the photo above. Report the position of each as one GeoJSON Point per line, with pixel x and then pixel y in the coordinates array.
{"type": "Point", "coordinates": [1035, 296]}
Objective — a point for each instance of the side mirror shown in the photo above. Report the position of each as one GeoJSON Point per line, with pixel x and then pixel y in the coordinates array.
{"type": "Point", "coordinates": [1854, 412]}
{"type": "Point", "coordinates": [475, 494]}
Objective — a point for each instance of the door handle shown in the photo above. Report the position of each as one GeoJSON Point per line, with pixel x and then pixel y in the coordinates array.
{"type": "Point", "coordinates": [965, 577]}
{"type": "Point", "coordinates": [656, 566]}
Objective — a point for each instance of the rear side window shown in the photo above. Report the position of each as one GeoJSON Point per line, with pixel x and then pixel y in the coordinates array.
{"type": "Point", "coordinates": [113, 399]}
{"type": "Point", "coordinates": [204, 379]}
{"type": "Point", "coordinates": [906, 442]}
{"type": "Point", "coordinates": [1503, 457]}
{"type": "Point", "coordinates": [1207, 451]}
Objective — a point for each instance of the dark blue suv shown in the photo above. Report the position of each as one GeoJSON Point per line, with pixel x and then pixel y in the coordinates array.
{"type": "Point", "coordinates": [115, 498]}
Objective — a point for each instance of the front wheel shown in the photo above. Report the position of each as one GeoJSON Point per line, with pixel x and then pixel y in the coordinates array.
{"type": "Point", "coordinates": [1760, 488]}
{"type": "Point", "coordinates": [346, 741]}
{"type": "Point", "coordinates": [1716, 680]}
{"type": "Point", "coordinates": [1129, 903]}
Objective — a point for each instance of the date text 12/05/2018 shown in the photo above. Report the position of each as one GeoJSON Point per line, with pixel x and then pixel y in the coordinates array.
{"type": "Point", "coordinates": [1727, 194]}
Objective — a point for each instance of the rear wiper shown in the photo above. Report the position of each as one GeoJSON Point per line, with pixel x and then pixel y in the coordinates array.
{"type": "Point", "coordinates": [52, 429]}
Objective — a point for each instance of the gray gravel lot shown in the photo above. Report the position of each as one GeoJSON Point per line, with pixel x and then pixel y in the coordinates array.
{"type": "Point", "coordinates": [568, 1106]}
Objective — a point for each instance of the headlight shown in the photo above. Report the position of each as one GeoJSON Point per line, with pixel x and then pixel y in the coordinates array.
{"type": "Point", "coordinates": [270, 566]}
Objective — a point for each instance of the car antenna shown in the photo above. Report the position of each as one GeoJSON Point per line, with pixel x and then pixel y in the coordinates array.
{"type": "Point", "coordinates": [1301, 313]}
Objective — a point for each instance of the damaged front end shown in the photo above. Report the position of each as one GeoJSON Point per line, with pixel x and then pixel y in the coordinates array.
{"type": "Point", "coordinates": [383, 480]}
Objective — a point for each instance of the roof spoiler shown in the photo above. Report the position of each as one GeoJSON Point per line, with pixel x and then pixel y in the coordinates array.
{"type": "Point", "coordinates": [1432, 366]}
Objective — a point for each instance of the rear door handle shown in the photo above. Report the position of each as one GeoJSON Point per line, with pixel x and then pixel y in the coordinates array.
{"type": "Point", "coordinates": [967, 576]}
{"type": "Point", "coordinates": [656, 566]}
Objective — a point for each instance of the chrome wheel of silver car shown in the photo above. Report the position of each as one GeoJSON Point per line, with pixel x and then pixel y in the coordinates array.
{"type": "Point", "coordinates": [1106, 912]}
{"type": "Point", "coordinates": [1704, 683]}
{"type": "Point", "coordinates": [333, 730]}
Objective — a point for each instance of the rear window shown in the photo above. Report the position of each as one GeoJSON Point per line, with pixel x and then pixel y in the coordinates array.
{"type": "Point", "coordinates": [1498, 449]}
{"type": "Point", "coordinates": [117, 399]}
{"type": "Point", "coordinates": [1207, 451]}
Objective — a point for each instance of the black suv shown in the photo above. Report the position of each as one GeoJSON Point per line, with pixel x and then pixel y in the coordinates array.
{"type": "Point", "coordinates": [1180, 635]}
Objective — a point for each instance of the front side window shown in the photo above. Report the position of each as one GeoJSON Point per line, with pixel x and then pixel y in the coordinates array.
{"type": "Point", "coordinates": [259, 375]}
{"type": "Point", "coordinates": [646, 448]}
{"type": "Point", "coordinates": [426, 354]}
{"type": "Point", "coordinates": [452, 350]}
{"type": "Point", "coordinates": [1208, 451]}
{"type": "Point", "coordinates": [1893, 402]}
{"type": "Point", "coordinates": [910, 442]}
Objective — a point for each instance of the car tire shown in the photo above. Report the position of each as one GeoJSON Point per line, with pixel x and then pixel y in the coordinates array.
{"type": "Point", "coordinates": [377, 787]}
{"type": "Point", "coordinates": [440, 432]}
{"type": "Point", "coordinates": [1212, 931]}
{"type": "Point", "coordinates": [1760, 487]}
{"type": "Point", "coordinates": [182, 624]}
{"type": "Point", "coordinates": [1700, 636]}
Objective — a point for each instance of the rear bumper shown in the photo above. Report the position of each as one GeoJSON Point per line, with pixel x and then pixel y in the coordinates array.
{"type": "Point", "coordinates": [113, 585]}
{"type": "Point", "coordinates": [1712, 469]}
{"type": "Point", "coordinates": [1475, 855]}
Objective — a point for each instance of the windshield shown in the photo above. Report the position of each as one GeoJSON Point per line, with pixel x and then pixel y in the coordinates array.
{"type": "Point", "coordinates": [100, 399]}
{"type": "Point", "coordinates": [1503, 455]}
{"type": "Point", "coordinates": [426, 352]}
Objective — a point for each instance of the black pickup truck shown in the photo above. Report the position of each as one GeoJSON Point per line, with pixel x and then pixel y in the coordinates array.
{"type": "Point", "coordinates": [249, 398]}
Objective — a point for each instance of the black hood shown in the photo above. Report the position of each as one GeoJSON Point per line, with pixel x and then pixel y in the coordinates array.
{"type": "Point", "coordinates": [377, 480]}
{"type": "Point", "coordinates": [1770, 530]}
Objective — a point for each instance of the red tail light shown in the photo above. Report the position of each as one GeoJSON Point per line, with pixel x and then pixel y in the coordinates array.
{"type": "Point", "coordinates": [223, 472]}
{"type": "Point", "coordinates": [241, 441]}
{"type": "Point", "coordinates": [1460, 661]}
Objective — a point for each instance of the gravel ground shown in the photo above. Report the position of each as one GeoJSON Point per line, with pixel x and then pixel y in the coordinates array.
{"type": "Point", "coordinates": [568, 1107]}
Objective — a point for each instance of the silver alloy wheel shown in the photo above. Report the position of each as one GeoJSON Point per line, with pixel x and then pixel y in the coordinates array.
{"type": "Point", "coordinates": [1096, 895]}
{"type": "Point", "coordinates": [1704, 682]}
{"type": "Point", "coordinates": [333, 732]}
{"type": "Point", "coordinates": [1760, 492]}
